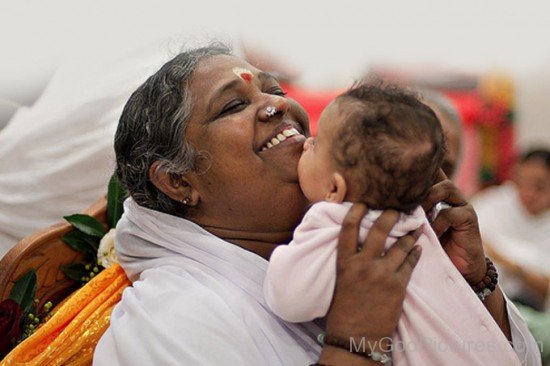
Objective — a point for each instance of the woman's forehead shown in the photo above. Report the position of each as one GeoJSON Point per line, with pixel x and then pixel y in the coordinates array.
{"type": "Point", "coordinates": [218, 69]}
{"type": "Point", "coordinates": [212, 73]}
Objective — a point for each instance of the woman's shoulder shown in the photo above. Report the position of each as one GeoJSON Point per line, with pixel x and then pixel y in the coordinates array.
{"type": "Point", "coordinates": [173, 309]}
{"type": "Point", "coordinates": [170, 288]}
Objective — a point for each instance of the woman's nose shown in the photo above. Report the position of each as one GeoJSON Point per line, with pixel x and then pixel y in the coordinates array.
{"type": "Point", "coordinates": [275, 106]}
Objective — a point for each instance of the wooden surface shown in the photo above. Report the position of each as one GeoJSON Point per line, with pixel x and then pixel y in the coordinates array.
{"type": "Point", "coordinates": [45, 252]}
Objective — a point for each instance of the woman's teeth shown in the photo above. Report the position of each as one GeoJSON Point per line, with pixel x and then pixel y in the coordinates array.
{"type": "Point", "coordinates": [280, 138]}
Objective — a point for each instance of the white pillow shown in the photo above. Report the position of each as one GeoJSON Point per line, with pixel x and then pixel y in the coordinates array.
{"type": "Point", "coordinates": [56, 157]}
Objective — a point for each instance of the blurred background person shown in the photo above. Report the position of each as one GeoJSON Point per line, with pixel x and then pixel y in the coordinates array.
{"type": "Point", "coordinates": [514, 219]}
{"type": "Point", "coordinates": [452, 128]}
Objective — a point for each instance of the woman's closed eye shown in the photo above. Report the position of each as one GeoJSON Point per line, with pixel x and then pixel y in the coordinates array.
{"type": "Point", "coordinates": [236, 105]}
{"type": "Point", "coordinates": [277, 90]}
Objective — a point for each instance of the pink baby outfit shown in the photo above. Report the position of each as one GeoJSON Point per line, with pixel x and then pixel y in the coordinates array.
{"type": "Point", "coordinates": [443, 321]}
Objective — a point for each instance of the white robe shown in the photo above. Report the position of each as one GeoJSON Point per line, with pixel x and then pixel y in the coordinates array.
{"type": "Point", "coordinates": [509, 229]}
{"type": "Point", "coordinates": [196, 300]}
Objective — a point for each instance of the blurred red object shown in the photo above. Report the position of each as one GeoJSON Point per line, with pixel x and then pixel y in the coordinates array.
{"type": "Point", "coordinates": [490, 141]}
{"type": "Point", "coordinates": [314, 101]}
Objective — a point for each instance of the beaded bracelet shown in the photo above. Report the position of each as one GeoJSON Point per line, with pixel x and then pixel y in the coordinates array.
{"type": "Point", "coordinates": [489, 282]}
{"type": "Point", "coordinates": [380, 357]}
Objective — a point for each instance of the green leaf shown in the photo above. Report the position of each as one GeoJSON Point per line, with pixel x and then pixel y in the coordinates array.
{"type": "Point", "coordinates": [74, 271]}
{"type": "Point", "coordinates": [115, 199]}
{"type": "Point", "coordinates": [24, 290]}
{"type": "Point", "coordinates": [81, 242]}
{"type": "Point", "coordinates": [87, 224]}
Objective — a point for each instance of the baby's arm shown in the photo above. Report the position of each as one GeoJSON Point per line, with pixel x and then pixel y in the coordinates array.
{"type": "Point", "coordinates": [301, 275]}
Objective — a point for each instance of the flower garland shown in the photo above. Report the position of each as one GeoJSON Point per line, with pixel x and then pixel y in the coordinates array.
{"type": "Point", "coordinates": [19, 317]}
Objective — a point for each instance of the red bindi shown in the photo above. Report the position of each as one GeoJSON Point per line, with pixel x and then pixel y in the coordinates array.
{"type": "Point", "coordinates": [246, 76]}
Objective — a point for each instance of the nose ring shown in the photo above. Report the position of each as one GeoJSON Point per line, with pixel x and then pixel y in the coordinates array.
{"type": "Point", "coordinates": [270, 111]}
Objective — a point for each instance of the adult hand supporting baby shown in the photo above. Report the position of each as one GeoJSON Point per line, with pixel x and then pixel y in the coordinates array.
{"type": "Point", "coordinates": [370, 288]}
{"type": "Point", "coordinates": [458, 231]}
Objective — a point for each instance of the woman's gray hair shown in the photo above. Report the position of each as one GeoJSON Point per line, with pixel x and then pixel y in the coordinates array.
{"type": "Point", "coordinates": [152, 128]}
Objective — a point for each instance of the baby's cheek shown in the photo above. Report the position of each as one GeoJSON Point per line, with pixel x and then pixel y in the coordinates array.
{"type": "Point", "coordinates": [306, 177]}
{"type": "Point", "coordinates": [306, 169]}
{"type": "Point", "coordinates": [302, 166]}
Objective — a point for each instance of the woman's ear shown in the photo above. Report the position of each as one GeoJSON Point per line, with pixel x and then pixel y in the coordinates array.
{"type": "Point", "coordinates": [338, 189]}
{"type": "Point", "coordinates": [177, 187]}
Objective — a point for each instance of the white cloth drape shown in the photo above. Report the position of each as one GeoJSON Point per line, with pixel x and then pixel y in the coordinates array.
{"type": "Point", "coordinates": [56, 157]}
{"type": "Point", "coordinates": [196, 300]}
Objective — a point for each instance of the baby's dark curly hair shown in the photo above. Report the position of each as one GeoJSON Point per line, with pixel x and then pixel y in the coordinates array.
{"type": "Point", "coordinates": [390, 147]}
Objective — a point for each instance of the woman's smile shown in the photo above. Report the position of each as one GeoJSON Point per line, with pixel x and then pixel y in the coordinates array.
{"type": "Point", "coordinates": [285, 134]}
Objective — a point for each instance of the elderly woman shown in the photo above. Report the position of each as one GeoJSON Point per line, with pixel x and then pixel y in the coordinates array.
{"type": "Point", "coordinates": [212, 194]}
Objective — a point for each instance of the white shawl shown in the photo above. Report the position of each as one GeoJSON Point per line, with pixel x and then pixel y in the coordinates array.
{"type": "Point", "coordinates": [196, 300]}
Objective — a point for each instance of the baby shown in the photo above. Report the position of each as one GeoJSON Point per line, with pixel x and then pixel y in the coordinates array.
{"type": "Point", "coordinates": [383, 147]}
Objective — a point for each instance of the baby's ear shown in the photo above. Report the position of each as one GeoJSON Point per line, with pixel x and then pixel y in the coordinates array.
{"type": "Point", "coordinates": [338, 188]}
